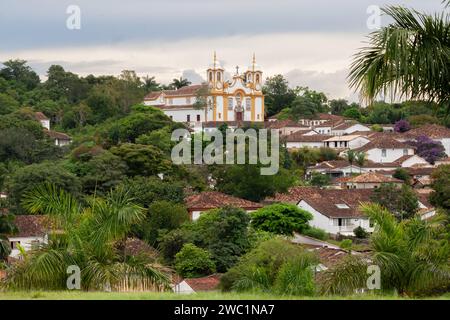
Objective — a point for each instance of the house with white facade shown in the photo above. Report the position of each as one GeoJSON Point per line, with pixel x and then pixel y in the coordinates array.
{"type": "Point", "coordinates": [345, 142]}
{"type": "Point", "coordinates": [337, 211]}
{"type": "Point", "coordinates": [208, 200]}
{"type": "Point", "coordinates": [60, 139]}
{"type": "Point", "coordinates": [32, 231]}
{"type": "Point", "coordinates": [348, 127]}
{"type": "Point", "coordinates": [239, 99]}
{"type": "Point", "coordinates": [299, 140]}
{"type": "Point", "coordinates": [382, 149]}
{"type": "Point", "coordinates": [368, 180]}
{"type": "Point", "coordinates": [42, 118]}
{"type": "Point", "coordinates": [286, 127]}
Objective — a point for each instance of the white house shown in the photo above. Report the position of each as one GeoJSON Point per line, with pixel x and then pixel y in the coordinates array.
{"type": "Point", "coordinates": [60, 139]}
{"type": "Point", "coordinates": [286, 127]}
{"type": "Point", "coordinates": [346, 142]}
{"type": "Point", "coordinates": [368, 180]}
{"type": "Point", "coordinates": [337, 211]}
{"type": "Point", "coordinates": [238, 99]}
{"type": "Point", "coordinates": [208, 200]}
{"type": "Point", "coordinates": [300, 140]}
{"type": "Point", "coordinates": [348, 127]}
{"type": "Point", "coordinates": [45, 122]}
{"type": "Point", "coordinates": [32, 232]}
{"type": "Point", "coordinates": [382, 149]}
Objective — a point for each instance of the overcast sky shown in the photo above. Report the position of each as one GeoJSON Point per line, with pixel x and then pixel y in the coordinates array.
{"type": "Point", "coordinates": [310, 42]}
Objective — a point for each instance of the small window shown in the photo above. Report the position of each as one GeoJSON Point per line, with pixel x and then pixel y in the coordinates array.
{"type": "Point", "coordinates": [218, 77]}
{"type": "Point", "coordinates": [383, 153]}
{"type": "Point", "coordinates": [405, 152]}
{"type": "Point", "coordinates": [257, 117]}
{"type": "Point", "coordinates": [257, 78]}
{"type": "Point", "coordinates": [230, 103]}
{"type": "Point", "coordinates": [248, 104]}
{"type": "Point", "coordinates": [220, 115]}
{"type": "Point", "coordinates": [210, 76]}
{"type": "Point", "coordinates": [188, 118]}
{"type": "Point", "coordinates": [170, 101]}
{"type": "Point", "coordinates": [188, 100]}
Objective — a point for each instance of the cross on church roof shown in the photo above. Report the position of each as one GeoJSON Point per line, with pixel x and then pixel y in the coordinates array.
{"type": "Point", "coordinates": [237, 69]}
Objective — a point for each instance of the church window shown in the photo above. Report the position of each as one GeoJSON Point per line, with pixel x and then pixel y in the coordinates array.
{"type": "Point", "coordinates": [210, 76]}
{"type": "Point", "coordinates": [230, 103]}
{"type": "Point", "coordinates": [257, 117]}
{"type": "Point", "coordinates": [257, 78]}
{"type": "Point", "coordinates": [218, 76]}
{"type": "Point", "coordinates": [249, 77]}
{"type": "Point", "coordinates": [248, 104]}
{"type": "Point", "coordinates": [220, 115]}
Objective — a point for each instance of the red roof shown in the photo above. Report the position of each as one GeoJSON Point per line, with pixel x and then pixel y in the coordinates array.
{"type": "Point", "coordinates": [184, 91]}
{"type": "Point", "coordinates": [40, 116]}
{"type": "Point", "coordinates": [31, 225]}
{"type": "Point", "coordinates": [433, 131]}
{"type": "Point", "coordinates": [208, 283]}
{"type": "Point", "coordinates": [299, 136]}
{"type": "Point", "coordinates": [212, 199]}
{"type": "Point", "coordinates": [335, 203]}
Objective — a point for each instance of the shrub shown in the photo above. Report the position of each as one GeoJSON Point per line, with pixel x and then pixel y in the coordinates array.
{"type": "Point", "coordinates": [346, 244]}
{"type": "Point", "coordinates": [316, 233]}
{"type": "Point", "coordinates": [171, 243]}
{"type": "Point", "coordinates": [402, 126]}
{"type": "Point", "coordinates": [360, 233]}
{"type": "Point", "coordinates": [402, 174]}
{"type": "Point", "coordinates": [296, 277]}
{"type": "Point", "coordinates": [319, 179]}
{"type": "Point", "coordinates": [377, 128]}
{"type": "Point", "coordinates": [192, 262]}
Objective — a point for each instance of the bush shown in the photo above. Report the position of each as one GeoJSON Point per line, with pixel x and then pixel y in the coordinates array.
{"type": "Point", "coordinates": [271, 267]}
{"type": "Point", "coordinates": [360, 233]}
{"type": "Point", "coordinates": [346, 244]}
{"type": "Point", "coordinates": [402, 174]}
{"type": "Point", "coordinates": [402, 126]}
{"type": "Point", "coordinates": [319, 179]}
{"type": "Point", "coordinates": [171, 243]}
{"type": "Point", "coordinates": [193, 262]}
{"type": "Point", "coordinates": [296, 277]}
{"type": "Point", "coordinates": [315, 233]}
{"type": "Point", "coordinates": [281, 219]}
{"type": "Point", "coordinates": [377, 128]}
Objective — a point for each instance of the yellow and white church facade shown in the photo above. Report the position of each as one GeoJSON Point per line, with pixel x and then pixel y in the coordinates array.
{"type": "Point", "coordinates": [227, 101]}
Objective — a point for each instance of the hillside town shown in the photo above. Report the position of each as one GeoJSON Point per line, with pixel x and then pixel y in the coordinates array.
{"type": "Point", "coordinates": [92, 199]}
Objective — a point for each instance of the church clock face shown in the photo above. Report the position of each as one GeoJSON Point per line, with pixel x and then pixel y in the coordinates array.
{"type": "Point", "coordinates": [258, 87]}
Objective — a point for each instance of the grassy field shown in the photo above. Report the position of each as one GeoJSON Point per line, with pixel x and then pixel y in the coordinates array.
{"type": "Point", "coordinates": [77, 295]}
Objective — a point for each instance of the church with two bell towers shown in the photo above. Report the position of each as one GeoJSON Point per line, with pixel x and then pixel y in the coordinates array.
{"type": "Point", "coordinates": [231, 101]}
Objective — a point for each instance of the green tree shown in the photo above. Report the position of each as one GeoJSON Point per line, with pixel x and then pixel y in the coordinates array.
{"type": "Point", "coordinates": [29, 177]}
{"type": "Point", "coordinates": [397, 59]}
{"type": "Point", "coordinates": [360, 160]}
{"type": "Point", "coordinates": [277, 94]}
{"type": "Point", "coordinates": [19, 72]}
{"type": "Point", "coordinates": [193, 262]}
{"type": "Point", "coordinates": [319, 179]}
{"type": "Point", "coordinates": [7, 227]}
{"type": "Point", "coordinates": [282, 219]}
{"type": "Point", "coordinates": [402, 174]}
{"type": "Point", "coordinates": [339, 106]}
{"type": "Point", "coordinates": [352, 113]}
{"type": "Point", "coordinates": [87, 235]}
{"type": "Point", "coordinates": [403, 202]}
{"type": "Point", "coordinates": [162, 217]}
{"type": "Point", "coordinates": [141, 159]}
{"type": "Point", "coordinates": [441, 187]}
{"type": "Point", "coordinates": [245, 181]}
{"type": "Point", "coordinates": [7, 104]}
{"type": "Point", "coordinates": [305, 157]}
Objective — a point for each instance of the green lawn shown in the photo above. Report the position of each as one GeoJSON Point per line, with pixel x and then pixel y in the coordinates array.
{"type": "Point", "coordinates": [77, 295]}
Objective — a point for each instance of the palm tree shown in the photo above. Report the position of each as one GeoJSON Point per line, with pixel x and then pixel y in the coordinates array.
{"type": "Point", "coordinates": [409, 58]}
{"type": "Point", "coordinates": [150, 84]}
{"type": "Point", "coordinates": [179, 83]}
{"type": "Point", "coordinates": [360, 160]}
{"type": "Point", "coordinates": [413, 257]}
{"type": "Point", "coordinates": [88, 236]}
{"type": "Point", "coordinates": [351, 159]}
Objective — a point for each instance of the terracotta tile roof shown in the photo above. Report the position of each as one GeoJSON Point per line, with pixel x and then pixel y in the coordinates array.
{"type": "Point", "coordinates": [240, 124]}
{"type": "Point", "coordinates": [373, 177]}
{"type": "Point", "coordinates": [329, 256]}
{"type": "Point", "coordinates": [300, 137]}
{"type": "Point", "coordinates": [339, 164]}
{"type": "Point", "coordinates": [345, 125]}
{"type": "Point", "coordinates": [57, 135]}
{"type": "Point", "coordinates": [326, 201]}
{"type": "Point", "coordinates": [283, 124]}
{"type": "Point", "coordinates": [208, 283]}
{"type": "Point", "coordinates": [349, 137]}
{"type": "Point", "coordinates": [213, 199]}
{"type": "Point", "coordinates": [31, 225]}
{"type": "Point", "coordinates": [184, 91]}
{"type": "Point", "coordinates": [383, 142]}
{"type": "Point", "coordinates": [40, 116]}
{"type": "Point", "coordinates": [135, 246]}
{"type": "Point", "coordinates": [433, 131]}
